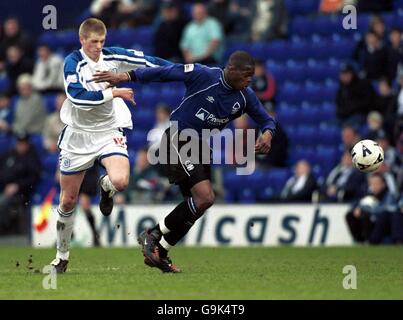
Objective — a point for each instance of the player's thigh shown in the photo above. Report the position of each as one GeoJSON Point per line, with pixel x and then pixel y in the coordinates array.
{"type": "Point", "coordinates": [118, 169]}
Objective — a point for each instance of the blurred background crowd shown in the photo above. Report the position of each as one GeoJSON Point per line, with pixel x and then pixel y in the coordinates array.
{"type": "Point", "coordinates": [327, 86]}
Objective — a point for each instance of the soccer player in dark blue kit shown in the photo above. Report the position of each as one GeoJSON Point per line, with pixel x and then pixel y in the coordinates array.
{"type": "Point", "coordinates": [213, 98]}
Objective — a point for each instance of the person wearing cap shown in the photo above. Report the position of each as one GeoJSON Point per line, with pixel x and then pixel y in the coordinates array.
{"type": "Point", "coordinates": [30, 112]}
{"type": "Point", "coordinates": [19, 172]}
{"type": "Point", "coordinates": [354, 98]}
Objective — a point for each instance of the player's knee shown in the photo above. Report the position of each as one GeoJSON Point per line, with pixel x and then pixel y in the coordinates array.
{"type": "Point", "coordinates": [68, 203]}
{"type": "Point", "coordinates": [205, 200]}
{"type": "Point", "coordinates": [120, 183]}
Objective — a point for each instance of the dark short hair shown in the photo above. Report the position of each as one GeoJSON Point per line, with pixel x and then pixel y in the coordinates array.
{"type": "Point", "coordinates": [241, 60]}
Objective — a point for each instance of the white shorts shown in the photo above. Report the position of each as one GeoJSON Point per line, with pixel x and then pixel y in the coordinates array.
{"type": "Point", "coordinates": [79, 149]}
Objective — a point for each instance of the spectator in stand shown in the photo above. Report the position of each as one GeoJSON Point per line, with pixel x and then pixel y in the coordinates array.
{"type": "Point", "coordinates": [14, 37]}
{"type": "Point", "coordinates": [30, 112]}
{"type": "Point", "coordinates": [270, 20]}
{"type": "Point", "coordinates": [107, 11]}
{"type": "Point", "coordinates": [394, 53]}
{"type": "Point", "coordinates": [355, 97]}
{"type": "Point", "coordinates": [278, 154]}
{"type": "Point", "coordinates": [53, 126]}
{"type": "Point", "coordinates": [400, 95]}
{"type": "Point", "coordinates": [376, 215]}
{"type": "Point", "coordinates": [202, 39]}
{"type": "Point", "coordinates": [115, 13]}
{"type": "Point", "coordinates": [374, 126]}
{"type": "Point", "coordinates": [390, 180]}
{"type": "Point", "coordinates": [48, 71]}
{"type": "Point", "coordinates": [377, 26]}
{"type": "Point", "coordinates": [162, 113]}
{"type": "Point", "coordinates": [240, 13]}
{"type": "Point", "coordinates": [264, 85]}
{"type": "Point", "coordinates": [374, 6]}
{"type": "Point", "coordinates": [344, 182]}
{"type": "Point", "coordinates": [145, 185]}
{"type": "Point", "coordinates": [372, 57]}
{"type": "Point", "coordinates": [218, 9]}
{"type": "Point", "coordinates": [5, 115]}
{"type": "Point", "coordinates": [349, 137]}
{"type": "Point", "coordinates": [301, 185]}
{"type": "Point", "coordinates": [16, 64]}
{"type": "Point", "coordinates": [169, 32]}
{"type": "Point", "coordinates": [19, 172]}
{"type": "Point", "coordinates": [386, 99]}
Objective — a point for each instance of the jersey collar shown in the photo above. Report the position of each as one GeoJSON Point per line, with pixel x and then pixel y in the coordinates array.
{"type": "Point", "coordinates": [92, 64]}
{"type": "Point", "coordinates": [223, 82]}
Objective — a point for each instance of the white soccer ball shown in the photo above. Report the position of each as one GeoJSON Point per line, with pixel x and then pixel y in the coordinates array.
{"type": "Point", "coordinates": [367, 155]}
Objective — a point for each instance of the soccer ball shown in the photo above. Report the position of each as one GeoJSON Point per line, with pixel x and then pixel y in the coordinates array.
{"type": "Point", "coordinates": [367, 155]}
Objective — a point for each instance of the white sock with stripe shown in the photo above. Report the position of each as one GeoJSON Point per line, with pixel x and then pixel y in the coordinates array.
{"type": "Point", "coordinates": [64, 228]}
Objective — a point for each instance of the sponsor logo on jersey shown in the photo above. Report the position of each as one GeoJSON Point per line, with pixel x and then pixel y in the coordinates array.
{"type": "Point", "coordinates": [189, 67]}
{"type": "Point", "coordinates": [71, 78]}
{"type": "Point", "coordinates": [202, 114]}
{"type": "Point", "coordinates": [235, 108]}
{"type": "Point", "coordinates": [210, 99]}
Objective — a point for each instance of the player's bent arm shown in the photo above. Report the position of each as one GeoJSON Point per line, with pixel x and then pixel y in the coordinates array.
{"type": "Point", "coordinates": [76, 92]}
{"type": "Point", "coordinates": [256, 111]}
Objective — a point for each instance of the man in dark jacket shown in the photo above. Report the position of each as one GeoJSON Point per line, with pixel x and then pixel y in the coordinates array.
{"type": "Point", "coordinates": [355, 97]}
{"type": "Point", "coordinates": [19, 173]}
{"type": "Point", "coordinates": [168, 33]}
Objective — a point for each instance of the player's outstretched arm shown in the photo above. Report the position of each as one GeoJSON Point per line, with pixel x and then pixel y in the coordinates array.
{"type": "Point", "coordinates": [172, 72]}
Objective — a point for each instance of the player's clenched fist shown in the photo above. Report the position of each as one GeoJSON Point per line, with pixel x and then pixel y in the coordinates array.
{"type": "Point", "coordinates": [124, 93]}
{"type": "Point", "coordinates": [263, 143]}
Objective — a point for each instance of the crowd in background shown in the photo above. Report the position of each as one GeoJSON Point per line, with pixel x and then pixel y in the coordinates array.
{"type": "Point", "coordinates": [369, 104]}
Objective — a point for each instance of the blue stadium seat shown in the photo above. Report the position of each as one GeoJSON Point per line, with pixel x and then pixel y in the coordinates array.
{"type": "Point", "coordinates": [329, 135]}
{"type": "Point", "coordinates": [50, 162]}
{"type": "Point", "coordinates": [4, 83]}
{"type": "Point", "coordinates": [144, 119]}
{"type": "Point", "coordinates": [288, 115]}
{"type": "Point", "coordinates": [37, 141]}
{"type": "Point", "coordinates": [306, 135]}
{"type": "Point", "coordinates": [137, 139]}
{"type": "Point", "coordinates": [301, 153]}
{"type": "Point", "coordinates": [50, 102]}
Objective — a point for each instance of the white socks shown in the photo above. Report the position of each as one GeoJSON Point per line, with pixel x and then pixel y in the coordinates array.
{"type": "Point", "coordinates": [64, 227]}
{"type": "Point", "coordinates": [164, 230]}
{"type": "Point", "coordinates": [163, 227]}
{"type": "Point", "coordinates": [107, 185]}
{"type": "Point", "coordinates": [165, 244]}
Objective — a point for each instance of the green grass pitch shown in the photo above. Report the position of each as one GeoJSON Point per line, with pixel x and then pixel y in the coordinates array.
{"type": "Point", "coordinates": [208, 273]}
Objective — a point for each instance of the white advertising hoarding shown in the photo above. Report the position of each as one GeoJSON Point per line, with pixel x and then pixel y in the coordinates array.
{"type": "Point", "coordinates": [222, 225]}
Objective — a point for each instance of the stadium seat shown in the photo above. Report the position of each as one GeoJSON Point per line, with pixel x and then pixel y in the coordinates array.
{"type": "Point", "coordinates": [50, 102]}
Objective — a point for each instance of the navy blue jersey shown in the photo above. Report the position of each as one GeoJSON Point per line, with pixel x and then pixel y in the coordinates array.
{"type": "Point", "coordinates": [209, 101]}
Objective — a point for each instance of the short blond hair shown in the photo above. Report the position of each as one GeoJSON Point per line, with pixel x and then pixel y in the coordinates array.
{"type": "Point", "coordinates": [91, 25]}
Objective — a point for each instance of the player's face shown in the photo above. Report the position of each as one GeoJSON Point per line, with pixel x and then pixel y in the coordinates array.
{"type": "Point", "coordinates": [93, 44]}
{"type": "Point", "coordinates": [239, 79]}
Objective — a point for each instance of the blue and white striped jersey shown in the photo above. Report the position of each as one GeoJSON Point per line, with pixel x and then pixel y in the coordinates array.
{"type": "Point", "coordinates": [90, 106]}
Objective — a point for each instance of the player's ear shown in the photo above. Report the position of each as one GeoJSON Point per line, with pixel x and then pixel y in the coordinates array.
{"type": "Point", "coordinates": [82, 40]}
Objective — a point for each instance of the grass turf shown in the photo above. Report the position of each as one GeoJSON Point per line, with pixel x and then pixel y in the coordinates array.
{"type": "Point", "coordinates": [208, 273]}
